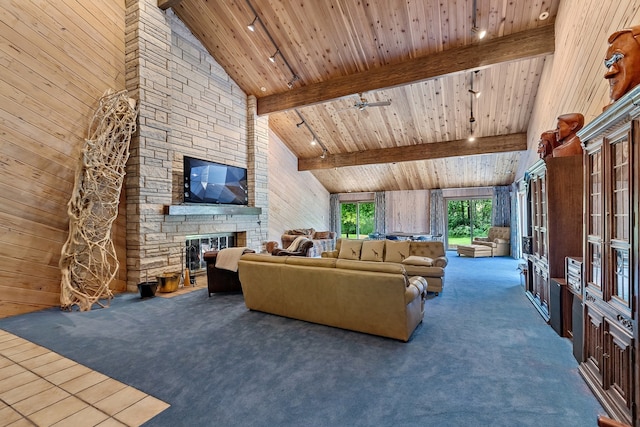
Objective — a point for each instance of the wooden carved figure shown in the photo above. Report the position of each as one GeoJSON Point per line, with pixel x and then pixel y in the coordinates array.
{"type": "Point", "coordinates": [623, 62]}
{"type": "Point", "coordinates": [569, 143]}
{"type": "Point", "coordinates": [547, 143]}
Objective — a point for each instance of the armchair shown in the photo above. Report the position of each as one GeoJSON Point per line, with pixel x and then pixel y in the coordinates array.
{"type": "Point", "coordinates": [498, 239]}
{"type": "Point", "coordinates": [302, 249]}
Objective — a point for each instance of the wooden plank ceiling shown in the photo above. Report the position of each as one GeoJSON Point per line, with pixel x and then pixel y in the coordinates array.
{"type": "Point", "coordinates": [421, 55]}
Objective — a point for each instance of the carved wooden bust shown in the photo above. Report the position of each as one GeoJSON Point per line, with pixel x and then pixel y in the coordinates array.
{"type": "Point", "coordinates": [569, 143]}
{"type": "Point", "coordinates": [623, 62]}
{"type": "Point", "coordinates": [547, 143]}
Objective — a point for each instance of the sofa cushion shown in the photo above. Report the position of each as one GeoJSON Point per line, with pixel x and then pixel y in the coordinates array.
{"type": "Point", "coordinates": [418, 260]}
{"type": "Point", "coordinates": [396, 251]}
{"type": "Point", "coordinates": [350, 249]}
{"type": "Point", "coordinates": [370, 266]}
{"type": "Point", "coordinates": [372, 250]}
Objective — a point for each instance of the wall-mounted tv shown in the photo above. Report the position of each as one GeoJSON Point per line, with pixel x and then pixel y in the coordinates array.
{"type": "Point", "coordinates": [211, 182]}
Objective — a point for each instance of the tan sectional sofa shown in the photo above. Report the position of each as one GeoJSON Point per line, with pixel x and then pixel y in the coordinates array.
{"type": "Point", "coordinates": [369, 297]}
{"type": "Point", "coordinates": [427, 259]}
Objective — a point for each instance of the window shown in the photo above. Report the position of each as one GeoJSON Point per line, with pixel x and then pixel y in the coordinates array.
{"type": "Point", "coordinates": [357, 219]}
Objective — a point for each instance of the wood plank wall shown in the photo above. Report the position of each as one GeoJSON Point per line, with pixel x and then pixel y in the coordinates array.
{"type": "Point", "coordinates": [572, 80]}
{"type": "Point", "coordinates": [58, 58]}
{"type": "Point", "coordinates": [407, 211]}
{"type": "Point", "coordinates": [296, 199]}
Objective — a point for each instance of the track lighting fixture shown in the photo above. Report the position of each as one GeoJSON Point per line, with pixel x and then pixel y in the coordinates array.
{"type": "Point", "coordinates": [315, 140]}
{"type": "Point", "coordinates": [474, 25]}
{"type": "Point", "coordinates": [292, 81]}
{"type": "Point", "coordinates": [272, 58]}
{"type": "Point", "coordinates": [480, 33]}
{"type": "Point", "coordinates": [252, 26]}
{"type": "Point", "coordinates": [475, 94]}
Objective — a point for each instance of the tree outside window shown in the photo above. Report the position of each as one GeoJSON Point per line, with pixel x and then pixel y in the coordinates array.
{"type": "Point", "coordinates": [357, 219]}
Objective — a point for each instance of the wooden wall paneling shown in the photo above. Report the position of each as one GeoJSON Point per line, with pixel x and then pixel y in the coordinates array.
{"type": "Point", "coordinates": [58, 58]}
{"type": "Point", "coordinates": [296, 199]}
{"type": "Point", "coordinates": [407, 211]}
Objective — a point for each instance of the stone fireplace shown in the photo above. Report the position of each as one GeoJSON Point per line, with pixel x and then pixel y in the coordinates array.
{"type": "Point", "coordinates": [196, 246]}
{"type": "Point", "coordinates": [205, 116]}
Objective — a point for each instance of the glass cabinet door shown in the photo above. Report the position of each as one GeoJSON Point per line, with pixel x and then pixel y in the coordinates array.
{"type": "Point", "coordinates": [593, 270]}
{"type": "Point", "coordinates": [619, 218]}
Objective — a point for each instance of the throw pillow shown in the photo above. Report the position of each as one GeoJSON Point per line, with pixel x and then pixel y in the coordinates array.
{"type": "Point", "coordinates": [350, 249]}
{"type": "Point", "coordinates": [418, 260]}
{"type": "Point", "coordinates": [396, 251]}
{"type": "Point", "coordinates": [372, 250]}
{"type": "Point", "coordinates": [320, 235]}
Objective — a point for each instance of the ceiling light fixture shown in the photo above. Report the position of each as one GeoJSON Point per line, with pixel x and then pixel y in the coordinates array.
{"type": "Point", "coordinates": [315, 140]}
{"type": "Point", "coordinates": [252, 26]}
{"type": "Point", "coordinates": [272, 58]}
{"type": "Point", "coordinates": [481, 33]}
{"type": "Point", "coordinates": [473, 95]}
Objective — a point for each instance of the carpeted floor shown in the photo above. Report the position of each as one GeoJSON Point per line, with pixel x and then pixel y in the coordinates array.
{"type": "Point", "coordinates": [482, 357]}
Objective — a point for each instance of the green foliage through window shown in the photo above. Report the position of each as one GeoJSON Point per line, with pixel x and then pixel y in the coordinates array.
{"type": "Point", "coordinates": [357, 219]}
{"type": "Point", "coordinates": [467, 215]}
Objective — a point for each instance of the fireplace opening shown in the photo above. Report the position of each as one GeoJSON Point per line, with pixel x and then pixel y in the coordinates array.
{"type": "Point", "coordinates": [196, 246]}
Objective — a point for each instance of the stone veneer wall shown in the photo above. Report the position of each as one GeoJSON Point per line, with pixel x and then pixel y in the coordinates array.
{"type": "Point", "coordinates": [188, 106]}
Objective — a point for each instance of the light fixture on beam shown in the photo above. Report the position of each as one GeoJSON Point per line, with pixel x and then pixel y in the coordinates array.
{"type": "Point", "coordinates": [300, 124]}
{"type": "Point", "coordinates": [252, 26]}
{"type": "Point", "coordinates": [474, 93]}
{"type": "Point", "coordinates": [315, 140]}
{"type": "Point", "coordinates": [272, 58]}
{"type": "Point", "coordinates": [292, 81]}
{"type": "Point", "coordinates": [481, 33]}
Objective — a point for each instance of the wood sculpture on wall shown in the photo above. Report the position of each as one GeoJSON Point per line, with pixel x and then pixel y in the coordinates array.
{"type": "Point", "coordinates": [623, 62]}
{"type": "Point", "coordinates": [547, 143]}
{"type": "Point", "coordinates": [88, 261]}
{"type": "Point", "coordinates": [568, 141]}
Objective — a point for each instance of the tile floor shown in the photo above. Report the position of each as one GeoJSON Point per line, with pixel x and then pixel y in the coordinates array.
{"type": "Point", "coordinates": [40, 387]}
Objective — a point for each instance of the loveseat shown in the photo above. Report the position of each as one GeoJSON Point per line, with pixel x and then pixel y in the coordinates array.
{"type": "Point", "coordinates": [322, 240]}
{"type": "Point", "coordinates": [498, 239]}
{"type": "Point", "coordinates": [419, 258]}
{"type": "Point", "coordinates": [370, 297]}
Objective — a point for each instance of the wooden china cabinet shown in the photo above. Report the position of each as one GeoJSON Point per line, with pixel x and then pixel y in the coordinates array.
{"type": "Point", "coordinates": [610, 257]}
{"type": "Point", "coordinates": [555, 224]}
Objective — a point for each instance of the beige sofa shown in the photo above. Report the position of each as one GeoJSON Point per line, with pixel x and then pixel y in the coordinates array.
{"type": "Point", "coordinates": [374, 298]}
{"type": "Point", "coordinates": [427, 259]}
{"type": "Point", "coordinates": [498, 239]}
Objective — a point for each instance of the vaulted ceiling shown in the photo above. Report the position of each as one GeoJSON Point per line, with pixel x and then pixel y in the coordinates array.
{"type": "Point", "coordinates": [421, 55]}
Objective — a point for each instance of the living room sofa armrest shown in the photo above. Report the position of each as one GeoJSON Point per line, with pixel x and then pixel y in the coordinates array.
{"type": "Point", "coordinates": [480, 239]}
{"type": "Point", "coordinates": [411, 293]}
{"type": "Point", "coordinates": [498, 241]}
{"type": "Point", "coordinates": [441, 261]}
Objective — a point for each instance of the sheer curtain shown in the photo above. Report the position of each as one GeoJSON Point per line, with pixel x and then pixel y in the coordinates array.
{"type": "Point", "coordinates": [437, 212]}
{"type": "Point", "coordinates": [334, 214]}
{"type": "Point", "coordinates": [501, 206]}
{"type": "Point", "coordinates": [380, 213]}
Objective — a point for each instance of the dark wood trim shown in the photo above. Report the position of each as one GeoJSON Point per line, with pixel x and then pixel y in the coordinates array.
{"type": "Point", "coordinates": [524, 44]}
{"type": "Point", "coordinates": [436, 150]}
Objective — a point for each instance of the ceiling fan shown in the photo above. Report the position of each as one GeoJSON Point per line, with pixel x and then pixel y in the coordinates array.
{"type": "Point", "coordinates": [363, 103]}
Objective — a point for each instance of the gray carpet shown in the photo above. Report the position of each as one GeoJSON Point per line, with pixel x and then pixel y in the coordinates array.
{"type": "Point", "coordinates": [482, 357]}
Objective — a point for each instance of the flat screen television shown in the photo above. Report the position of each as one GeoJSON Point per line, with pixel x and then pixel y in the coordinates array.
{"type": "Point", "coordinates": [211, 182]}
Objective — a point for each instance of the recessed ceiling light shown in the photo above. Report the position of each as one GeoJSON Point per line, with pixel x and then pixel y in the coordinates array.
{"type": "Point", "coordinates": [543, 16]}
{"type": "Point", "coordinates": [264, 89]}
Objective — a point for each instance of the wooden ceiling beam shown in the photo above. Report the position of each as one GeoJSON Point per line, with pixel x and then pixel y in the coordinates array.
{"type": "Point", "coordinates": [525, 44]}
{"type": "Point", "coordinates": [166, 4]}
{"type": "Point", "coordinates": [435, 150]}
